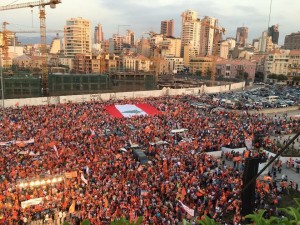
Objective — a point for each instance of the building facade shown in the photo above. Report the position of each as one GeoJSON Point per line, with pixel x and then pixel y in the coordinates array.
{"type": "Point", "coordinates": [274, 33]}
{"type": "Point", "coordinates": [277, 62]}
{"type": "Point", "coordinates": [292, 41]}
{"type": "Point", "coordinates": [167, 28]}
{"type": "Point", "coordinates": [98, 34]}
{"type": "Point", "coordinates": [136, 64]}
{"type": "Point", "coordinates": [235, 69]}
{"type": "Point", "coordinates": [77, 37]}
{"type": "Point", "coordinates": [200, 64]}
{"type": "Point", "coordinates": [190, 33]}
{"type": "Point", "coordinates": [294, 64]}
{"type": "Point", "coordinates": [170, 47]}
{"type": "Point", "coordinates": [241, 35]}
{"type": "Point", "coordinates": [175, 65]}
{"type": "Point", "coordinates": [207, 36]}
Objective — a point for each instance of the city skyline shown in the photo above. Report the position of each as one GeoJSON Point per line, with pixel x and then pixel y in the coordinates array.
{"type": "Point", "coordinates": [231, 15]}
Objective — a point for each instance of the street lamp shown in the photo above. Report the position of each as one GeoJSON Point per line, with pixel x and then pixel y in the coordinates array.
{"type": "Point", "coordinates": [2, 85]}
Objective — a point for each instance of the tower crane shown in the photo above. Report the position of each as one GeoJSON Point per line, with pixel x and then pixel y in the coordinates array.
{"type": "Point", "coordinates": [4, 44]}
{"type": "Point", "coordinates": [218, 31]}
{"type": "Point", "coordinates": [41, 4]}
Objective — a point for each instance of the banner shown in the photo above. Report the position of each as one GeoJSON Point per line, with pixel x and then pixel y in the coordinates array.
{"type": "Point", "coordinates": [30, 141]}
{"type": "Point", "coordinates": [34, 201]}
{"type": "Point", "coordinates": [130, 110]}
{"type": "Point", "coordinates": [71, 175]}
{"type": "Point", "coordinates": [189, 211]}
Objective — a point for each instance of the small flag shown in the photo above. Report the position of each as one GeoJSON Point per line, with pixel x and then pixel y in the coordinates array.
{"type": "Point", "coordinates": [190, 211]}
{"type": "Point", "coordinates": [72, 207]}
{"type": "Point", "coordinates": [55, 149]}
{"type": "Point", "coordinates": [83, 179]}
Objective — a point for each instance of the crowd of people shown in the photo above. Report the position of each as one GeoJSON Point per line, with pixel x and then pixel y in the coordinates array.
{"type": "Point", "coordinates": [109, 183]}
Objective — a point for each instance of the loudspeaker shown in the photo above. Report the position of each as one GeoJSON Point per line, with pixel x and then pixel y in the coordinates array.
{"type": "Point", "coordinates": [248, 195]}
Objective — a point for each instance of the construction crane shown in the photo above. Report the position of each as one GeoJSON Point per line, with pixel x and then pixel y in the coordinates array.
{"type": "Point", "coordinates": [42, 15]}
{"type": "Point", "coordinates": [4, 45]}
{"type": "Point", "coordinates": [122, 25]}
{"type": "Point", "coordinates": [218, 31]}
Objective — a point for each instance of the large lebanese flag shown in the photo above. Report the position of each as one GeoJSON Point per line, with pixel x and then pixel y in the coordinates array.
{"type": "Point", "coordinates": [119, 111]}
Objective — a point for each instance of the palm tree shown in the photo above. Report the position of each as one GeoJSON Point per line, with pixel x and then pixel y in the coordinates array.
{"type": "Point", "coordinates": [258, 218]}
{"type": "Point", "coordinates": [293, 214]}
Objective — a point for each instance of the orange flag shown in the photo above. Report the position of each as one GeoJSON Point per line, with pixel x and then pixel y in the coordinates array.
{"type": "Point", "coordinates": [183, 193]}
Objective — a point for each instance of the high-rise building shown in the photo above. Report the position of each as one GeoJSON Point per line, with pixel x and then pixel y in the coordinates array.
{"type": "Point", "coordinates": [167, 28]}
{"type": "Point", "coordinates": [129, 38]}
{"type": "Point", "coordinates": [190, 33]}
{"type": "Point", "coordinates": [77, 37]}
{"type": "Point", "coordinates": [98, 34]}
{"type": "Point", "coordinates": [292, 41]}
{"type": "Point", "coordinates": [207, 35]}
{"type": "Point", "coordinates": [265, 43]}
{"type": "Point", "coordinates": [241, 36]}
{"type": "Point", "coordinates": [273, 32]}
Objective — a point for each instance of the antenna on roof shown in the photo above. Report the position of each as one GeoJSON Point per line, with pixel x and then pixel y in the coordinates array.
{"type": "Point", "coordinates": [270, 14]}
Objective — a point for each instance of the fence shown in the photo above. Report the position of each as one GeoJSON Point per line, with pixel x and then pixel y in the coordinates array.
{"type": "Point", "coordinates": [120, 95]}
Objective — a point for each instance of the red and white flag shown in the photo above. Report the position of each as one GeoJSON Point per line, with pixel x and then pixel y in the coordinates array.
{"type": "Point", "coordinates": [130, 110]}
{"type": "Point", "coordinates": [189, 211]}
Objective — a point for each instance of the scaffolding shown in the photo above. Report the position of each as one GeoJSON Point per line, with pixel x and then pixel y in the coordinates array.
{"type": "Point", "coordinates": [21, 87]}
{"type": "Point", "coordinates": [76, 84]}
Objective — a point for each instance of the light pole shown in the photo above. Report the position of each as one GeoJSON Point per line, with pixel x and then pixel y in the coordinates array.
{"type": "Point", "coordinates": [2, 85]}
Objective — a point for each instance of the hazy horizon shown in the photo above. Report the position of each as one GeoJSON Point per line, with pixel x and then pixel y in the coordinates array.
{"type": "Point", "coordinates": [146, 15]}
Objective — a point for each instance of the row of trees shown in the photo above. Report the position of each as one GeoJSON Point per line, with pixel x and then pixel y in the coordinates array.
{"type": "Point", "coordinates": [292, 217]}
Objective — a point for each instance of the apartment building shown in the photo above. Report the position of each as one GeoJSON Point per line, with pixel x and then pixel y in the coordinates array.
{"type": "Point", "coordinates": [139, 63]}
{"type": "Point", "coordinates": [77, 37]}
{"type": "Point", "coordinates": [242, 36]}
{"type": "Point", "coordinates": [294, 64]}
{"type": "Point", "coordinates": [292, 41]}
{"type": "Point", "coordinates": [207, 35]}
{"type": "Point", "coordinates": [277, 62]}
{"type": "Point", "coordinates": [170, 47]}
{"type": "Point", "coordinates": [175, 64]}
{"type": "Point", "coordinates": [167, 28]}
{"type": "Point", "coordinates": [235, 68]}
{"type": "Point", "coordinates": [200, 64]}
{"type": "Point", "coordinates": [190, 33]}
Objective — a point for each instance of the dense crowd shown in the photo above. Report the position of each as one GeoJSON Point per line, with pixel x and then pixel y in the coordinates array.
{"type": "Point", "coordinates": [110, 183]}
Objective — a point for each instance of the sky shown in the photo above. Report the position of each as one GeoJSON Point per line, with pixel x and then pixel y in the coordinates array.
{"type": "Point", "coordinates": [145, 15]}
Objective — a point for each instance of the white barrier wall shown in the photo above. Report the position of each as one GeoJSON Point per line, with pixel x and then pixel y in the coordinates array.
{"type": "Point", "coordinates": [120, 95]}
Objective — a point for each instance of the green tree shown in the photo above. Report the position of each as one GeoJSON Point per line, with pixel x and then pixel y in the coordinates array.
{"type": "Point", "coordinates": [199, 73]}
{"type": "Point", "coordinates": [85, 222]}
{"type": "Point", "coordinates": [258, 218]}
{"type": "Point", "coordinates": [259, 76]}
{"type": "Point", "coordinates": [293, 214]}
{"type": "Point", "coordinates": [123, 221]}
{"type": "Point", "coordinates": [272, 76]}
{"type": "Point", "coordinates": [296, 78]}
{"type": "Point", "coordinates": [281, 77]}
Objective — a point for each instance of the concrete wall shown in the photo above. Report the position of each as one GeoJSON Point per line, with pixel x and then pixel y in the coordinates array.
{"type": "Point", "coordinates": [275, 110]}
{"type": "Point", "coordinates": [120, 95]}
